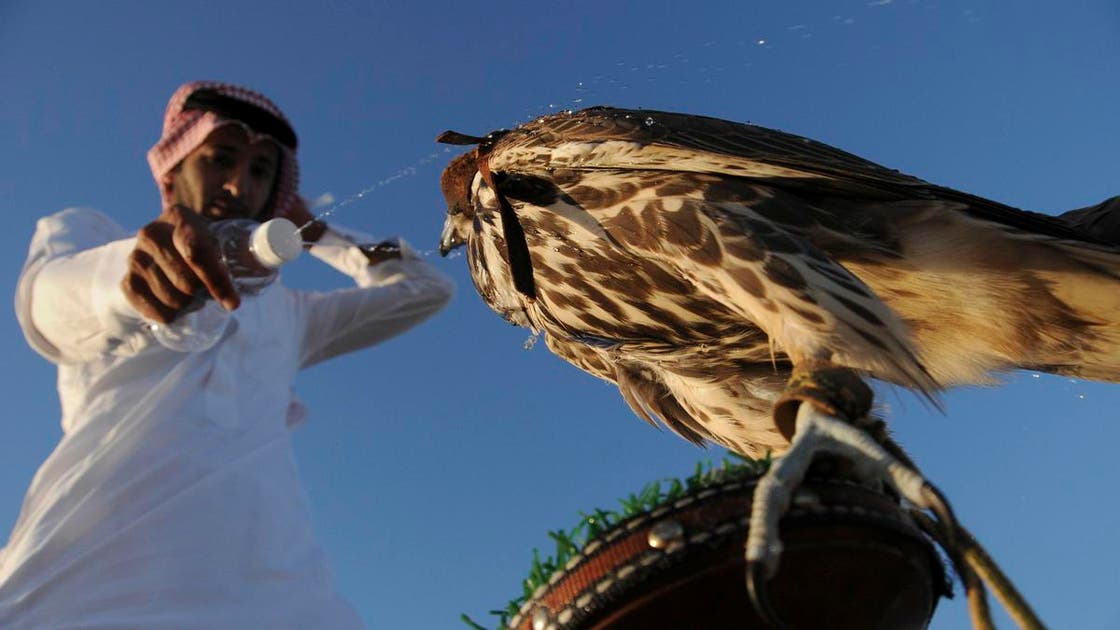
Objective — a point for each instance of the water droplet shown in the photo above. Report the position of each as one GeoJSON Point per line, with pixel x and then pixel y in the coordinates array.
{"type": "Point", "coordinates": [761, 42]}
{"type": "Point", "coordinates": [540, 618]}
{"type": "Point", "coordinates": [664, 533]}
{"type": "Point", "coordinates": [532, 341]}
{"type": "Point", "coordinates": [649, 121]}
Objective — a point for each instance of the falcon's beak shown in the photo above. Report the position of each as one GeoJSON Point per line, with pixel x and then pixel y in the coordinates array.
{"type": "Point", "coordinates": [449, 240]}
{"type": "Point", "coordinates": [455, 182]}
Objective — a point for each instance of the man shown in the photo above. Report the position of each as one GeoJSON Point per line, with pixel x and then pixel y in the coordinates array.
{"type": "Point", "coordinates": [172, 500]}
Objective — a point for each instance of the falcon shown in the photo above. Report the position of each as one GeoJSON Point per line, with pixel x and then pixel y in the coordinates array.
{"type": "Point", "coordinates": [739, 283]}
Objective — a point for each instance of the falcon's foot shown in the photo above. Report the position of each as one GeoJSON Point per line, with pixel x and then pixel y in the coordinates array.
{"type": "Point", "coordinates": [826, 412]}
{"type": "Point", "coordinates": [816, 433]}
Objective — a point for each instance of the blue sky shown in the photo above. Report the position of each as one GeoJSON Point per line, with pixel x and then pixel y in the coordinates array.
{"type": "Point", "coordinates": [436, 462]}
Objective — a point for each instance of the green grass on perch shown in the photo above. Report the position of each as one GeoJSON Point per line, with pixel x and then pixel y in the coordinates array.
{"type": "Point", "coordinates": [594, 524]}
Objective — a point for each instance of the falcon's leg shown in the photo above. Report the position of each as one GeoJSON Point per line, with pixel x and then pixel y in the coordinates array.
{"type": "Point", "coordinates": [826, 406]}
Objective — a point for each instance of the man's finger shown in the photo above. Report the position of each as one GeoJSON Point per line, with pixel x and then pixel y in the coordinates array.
{"type": "Point", "coordinates": [199, 251]}
{"type": "Point", "coordinates": [142, 264]}
{"type": "Point", "coordinates": [166, 291]}
{"type": "Point", "coordinates": [140, 296]}
{"type": "Point", "coordinates": [155, 242]}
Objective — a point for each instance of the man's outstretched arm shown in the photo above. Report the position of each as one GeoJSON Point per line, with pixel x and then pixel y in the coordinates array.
{"type": "Point", "coordinates": [396, 290]}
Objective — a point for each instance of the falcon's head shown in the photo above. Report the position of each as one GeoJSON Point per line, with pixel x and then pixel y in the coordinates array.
{"type": "Point", "coordinates": [456, 183]}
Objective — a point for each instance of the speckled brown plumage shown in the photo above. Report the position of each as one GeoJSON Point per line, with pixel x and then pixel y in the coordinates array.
{"type": "Point", "coordinates": [692, 260]}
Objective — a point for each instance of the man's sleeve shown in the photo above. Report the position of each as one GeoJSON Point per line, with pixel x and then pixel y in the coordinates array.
{"type": "Point", "coordinates": [391, 297]}
{"type": "Point", "coordinates": [68, 300]}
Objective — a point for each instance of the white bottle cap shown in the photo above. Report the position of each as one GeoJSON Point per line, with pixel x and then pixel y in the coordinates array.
{"type": "Point", "coordinates": [275, 242]}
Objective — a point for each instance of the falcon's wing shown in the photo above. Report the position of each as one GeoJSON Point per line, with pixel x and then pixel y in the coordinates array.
{"type": "Point", "coordinates": [1101, 221]}
{"type": "Point", "coordinates": [610, 138]}
{"type": "Point", "coordinates": [700, 215]}
{"type": "Point", "coordinates": [718, 241]}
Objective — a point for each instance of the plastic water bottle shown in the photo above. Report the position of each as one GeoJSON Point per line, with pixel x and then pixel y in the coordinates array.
{"type": "Point", "coordinates": [252, 253]}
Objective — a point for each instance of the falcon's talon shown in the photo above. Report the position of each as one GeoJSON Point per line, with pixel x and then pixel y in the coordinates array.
{"type": "Point", "coordinates": [772, 494]}
{"type": "Point", "coordinates": [760, 598]}
{"type": "Point", "coordinates": [816, 432]}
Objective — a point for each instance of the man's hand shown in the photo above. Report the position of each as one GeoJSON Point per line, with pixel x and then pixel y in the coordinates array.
{"type": "Point", "coordinates": [174, 259]}
{"type": "Point", "coordinates": [385, 250]}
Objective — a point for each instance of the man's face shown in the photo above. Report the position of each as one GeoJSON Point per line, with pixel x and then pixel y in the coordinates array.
{"type": "Point", "coordinates": [227, 176]}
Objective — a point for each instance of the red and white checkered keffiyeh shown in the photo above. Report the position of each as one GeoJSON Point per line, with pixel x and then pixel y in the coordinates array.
{"type": "Point", "coordinates": [184, 130]}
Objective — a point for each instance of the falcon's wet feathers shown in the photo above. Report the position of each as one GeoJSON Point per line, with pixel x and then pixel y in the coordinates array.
{"type": "Point", "coordinates": [692, 261]}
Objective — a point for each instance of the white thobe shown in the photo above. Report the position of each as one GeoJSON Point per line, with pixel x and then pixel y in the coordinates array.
{"type": "Point", "coordinates": [172, 499]}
